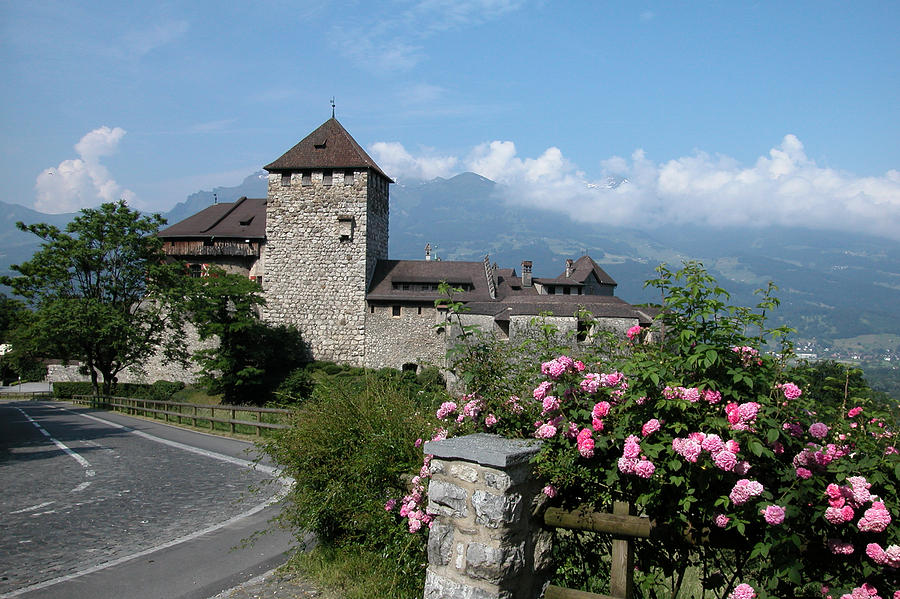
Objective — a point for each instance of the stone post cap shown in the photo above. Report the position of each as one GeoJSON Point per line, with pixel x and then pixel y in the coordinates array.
{"type": "Point", "coordinates": [485, 449]}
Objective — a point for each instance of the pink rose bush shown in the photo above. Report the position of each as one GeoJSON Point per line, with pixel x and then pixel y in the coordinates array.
{"type": "Point", "coordinates": [719, 441]}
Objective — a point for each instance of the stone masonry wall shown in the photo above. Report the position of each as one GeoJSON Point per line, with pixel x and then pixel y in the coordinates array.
{"type": "Point", "coordinates": [392, 341]}
{"type": "Point", "coordinates": [316, 279]}
{"type": "Point", "coordinates": [486, 541]}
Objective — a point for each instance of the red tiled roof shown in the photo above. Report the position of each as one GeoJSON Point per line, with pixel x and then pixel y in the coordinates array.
{"type": "Point", "coordinates": [329, 146]}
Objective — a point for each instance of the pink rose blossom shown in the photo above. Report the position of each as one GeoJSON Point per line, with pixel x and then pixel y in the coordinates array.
{"type": "Point", "coordinates": [804, 473]}
{"type": "Point", "coordinates": [791, 391]}
{"type": "Point", "coordinates": [632, 447]}
{"type": "Point", "coordinates": [650, 427]}
{"type": "Point", "coordinates": [633, 332]}
{"type": "Point", "coordinates": [773, 514]}
{"type": "Point", "coordinates": [490, 420]}
{"type": "Point", "coordinates": [875, 519]}
{"type": "Point", "coordinates": [725, 460]}
{"type": "Point", "coordinates": [840, 547]}
{"type": "Point", "coordinates": [549, 491]}
{"type": "Point", "coordinates": [389, 505]}
{"type": "Point", "coordinates": [712, 443]}
{"type": "Point", "coordinates": [447, 408]}
{"type": "Point", "coordinates": [545, 431]}
{"type": "Point", "coordinates": [644, 468]}
{"type": "Point", "coordinates": [743, 591]}
{"type": "Point", "coordinates": [591, 382]}
{"type": "Point", "coordinates": [818, 430]}
{"type": "Point", "coordinates": [541, 390]}
{"type": "Point", "coordinates": [854, 412]}
{"type": "Point", "coordinates": [712, 397]}
{"type": "Point", "coordinates": [600, 410]}
{"type": "Point", "coordinates": [721, 520]}
{"type": "Point", "coordinates": [550, 403]}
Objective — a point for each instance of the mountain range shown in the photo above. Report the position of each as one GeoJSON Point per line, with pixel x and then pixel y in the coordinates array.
{"type": "Point", "coordinates": [832, 285]}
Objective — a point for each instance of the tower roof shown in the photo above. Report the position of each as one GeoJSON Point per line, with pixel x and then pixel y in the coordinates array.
{"type": "Point", "coordinates": [329, 146]}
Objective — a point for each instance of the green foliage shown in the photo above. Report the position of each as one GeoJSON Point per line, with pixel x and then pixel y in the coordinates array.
{"type": "Point", "coordinates": [348, 452]}
{"type": "Point", "coordinates": [250, 358]}
{"type": "Point", "coordinates": [297, 387]}
{"type": "Point", "coordinates": [99, 290]}
{"type": "Point", "coordinates": [159, 391]}
{"type": "Point", "coordinates": [701, 373]}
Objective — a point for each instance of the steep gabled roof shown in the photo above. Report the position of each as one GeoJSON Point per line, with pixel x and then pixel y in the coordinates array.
{"type": "Point", "coordinates": [432, 272]}
{"type": "Point", "coordinates": [245, 219]}
{"type": "Point", "coordinates": [329, 146]}
{"type": "Point", "coordinates": [581, 271]}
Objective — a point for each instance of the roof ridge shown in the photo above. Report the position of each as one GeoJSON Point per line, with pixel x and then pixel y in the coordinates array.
{"type": "Point", "coordinates": [234, 205]}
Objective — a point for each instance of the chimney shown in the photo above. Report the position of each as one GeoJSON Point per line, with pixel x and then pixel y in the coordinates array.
{"type": "Point", "coordinates": [569, 264]}
{"type": "Point", "coordinates": [427, 251]}
{"type": "Point", "coordinates": [526, 273]}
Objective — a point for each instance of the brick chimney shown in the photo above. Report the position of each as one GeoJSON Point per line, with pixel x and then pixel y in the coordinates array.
{"type": "Point", "coordinates": [427, 251]}
{"type": "Point", "coordinates": [526, 273]}
{"type": "Point", "coordinates": [569, 267]}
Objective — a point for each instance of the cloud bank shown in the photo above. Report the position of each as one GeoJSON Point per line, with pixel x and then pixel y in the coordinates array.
{"type": "Point", "coordinates": [82, 182]}
{"type": "Point", "coordinates": [784, 187]}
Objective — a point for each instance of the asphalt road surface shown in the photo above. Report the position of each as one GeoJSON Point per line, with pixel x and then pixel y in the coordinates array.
{"type": "Point", "coordinates": [99, 505]}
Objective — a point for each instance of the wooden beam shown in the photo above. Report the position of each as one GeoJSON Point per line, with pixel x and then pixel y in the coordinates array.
{"type": "Point", "coordinates": [617, 524]}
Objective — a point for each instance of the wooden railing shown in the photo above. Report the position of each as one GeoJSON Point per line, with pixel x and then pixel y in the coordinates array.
{"type": "Point", "coordinates": [195, 413]}
{"type": "Point", "coordinates": [623, 527]}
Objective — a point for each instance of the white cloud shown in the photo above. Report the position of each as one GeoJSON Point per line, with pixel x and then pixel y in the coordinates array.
{"type": "Point", "coordinates": [394, 43]}
{"type": "Point", "coordinates": [82, 182]}
{"type": "Point", "coordinates": [394, 159]}
{"type": "Point", "coordinates": [784, 187]}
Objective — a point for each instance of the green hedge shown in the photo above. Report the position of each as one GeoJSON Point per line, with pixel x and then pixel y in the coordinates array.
{"type": "Point", "coordinates": [160, 390]}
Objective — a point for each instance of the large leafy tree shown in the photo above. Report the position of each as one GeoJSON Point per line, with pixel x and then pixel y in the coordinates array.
{"type": "Point", "coordinates": [99, 289]}
{"type": "Point", "coordinates": [249, 358]}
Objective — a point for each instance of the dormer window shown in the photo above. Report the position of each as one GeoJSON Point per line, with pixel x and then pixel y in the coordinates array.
{"type": "Point", "coordinates": [320, 145]}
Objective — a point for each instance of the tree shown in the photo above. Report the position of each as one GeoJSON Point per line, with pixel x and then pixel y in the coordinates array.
{"type": "Point", "coordinates": [99, 291]}
{"type": "Point", "coordinates": [250, 358]}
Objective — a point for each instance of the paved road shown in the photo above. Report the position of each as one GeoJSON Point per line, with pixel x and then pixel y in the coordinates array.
{"type": "Point", "coordinates": [95, 504]}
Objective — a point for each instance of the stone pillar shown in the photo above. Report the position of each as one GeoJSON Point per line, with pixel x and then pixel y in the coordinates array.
{"type": "Point", "coordinates": [486, 541]}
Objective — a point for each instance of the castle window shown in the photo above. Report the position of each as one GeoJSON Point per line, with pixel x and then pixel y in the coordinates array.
{"type": "Point", "coordinates": [420, 310]}
{"type": "Point", "coordinates": [345, 227]}
{"type": "Point", "coordinates": [306, 178]}
{"type": "Point", "coordinates": [326, 177]}
{"type": "Point", "coordinates": [372, 309]}
{"type": "Point", "coordinates": [348, 177]}
{"type": "Point", "coordinates": [285, 179]}
{"type": "Point", "coordinates": [395, 311]}
{"type": "Point", "coordinates": [551, 290]}
{"type": "Point", "coordinates": [195, 270]}
{"type": "Point", "coordinates": [567, 291]}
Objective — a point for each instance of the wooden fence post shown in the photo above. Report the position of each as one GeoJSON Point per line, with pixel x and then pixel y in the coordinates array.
{"type": "Point", "coordinates": [622, 567]}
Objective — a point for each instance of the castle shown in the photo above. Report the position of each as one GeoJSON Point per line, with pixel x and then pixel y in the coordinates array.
{"type": "Point", "coordinates": [318, 246]}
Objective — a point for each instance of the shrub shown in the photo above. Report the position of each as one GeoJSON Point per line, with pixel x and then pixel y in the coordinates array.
{"type": "Point", "coordinates": [160, 390]}
{"type": "Point", "coordinates": [751, 478]}
{"type": "Point", "coordinates": [349, 449]}
{"type": "Point", "coordinates": [297, 387]}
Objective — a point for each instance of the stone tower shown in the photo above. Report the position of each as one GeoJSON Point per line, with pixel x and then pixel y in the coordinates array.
{"type": "Point", "coordinates": [326, 227]}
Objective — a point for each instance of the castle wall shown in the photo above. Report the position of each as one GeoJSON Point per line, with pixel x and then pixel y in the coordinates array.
{"type": "Point", "coordinates": [410, 338]}
{"type": "Point", "coordinates": [322, 242]}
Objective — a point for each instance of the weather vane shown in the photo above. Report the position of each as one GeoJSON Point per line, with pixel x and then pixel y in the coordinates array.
{"type": "Point", "coordinates": [332, 106]}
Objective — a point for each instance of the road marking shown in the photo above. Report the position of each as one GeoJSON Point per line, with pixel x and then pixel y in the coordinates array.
{"type": "Point", "coordinates": [81, 487]}
{"type": "Point", "coordinates": [84, 463]}
{"type": "Point", "coordinates": [285, 481]}
{"type": "Point", "coordinates": [204, 452]}
{"type": "Point", "coordinates": [285, 487]}
{"type": "Point", "coordinates": [32, 508]}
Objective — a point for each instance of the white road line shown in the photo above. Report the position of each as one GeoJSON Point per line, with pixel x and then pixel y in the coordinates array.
{"type": "Point", "coordinates": [204, 452]}
{"type": "Point", "coordinates": [48, 583]}
{"type": "Point", "coordinates": [285, 481]}
{"type": "Point", "coordinates": [81, 487]}
{"type": "Point", "coordinates": [84, 463]}
{"type": "Point", "coordinates": [32, 508]}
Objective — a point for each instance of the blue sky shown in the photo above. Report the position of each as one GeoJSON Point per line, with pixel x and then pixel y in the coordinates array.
{"type": "Point", "coordinates": [727, 113]}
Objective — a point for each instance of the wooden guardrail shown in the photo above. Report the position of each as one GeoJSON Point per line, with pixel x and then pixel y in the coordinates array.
{"type": "Point", "coordinates": [188, 411]}
{"type": "Point", "coordinates": [623, 527]}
